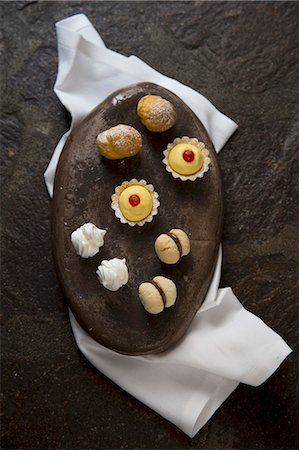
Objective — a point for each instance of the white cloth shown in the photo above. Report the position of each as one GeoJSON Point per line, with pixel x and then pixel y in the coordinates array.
{"type": "Point", "coordinates": [225, 343]}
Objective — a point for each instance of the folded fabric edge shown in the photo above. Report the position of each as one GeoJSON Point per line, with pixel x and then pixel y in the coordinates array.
{"type": "Point", "coordinates": [79, 23]}
{"type": "Point", "coordinates": [201, 416]}
{"type": "Point", "coordinates": [220, 130]}
{"type": "Point", "coordinates": [74, 22]}
{"type": "Point", "coordinates": [49, 174]}
{"type": "Point", "coordinates": [275, 355]}
{"type": "Point", "coordinates": [189, 93]}
{"type": "Point", "coordinates": [195, 413]}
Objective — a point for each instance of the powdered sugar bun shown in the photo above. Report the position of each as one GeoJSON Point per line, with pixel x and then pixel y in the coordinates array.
{"type": "Point", "coordinates": [156, 113]}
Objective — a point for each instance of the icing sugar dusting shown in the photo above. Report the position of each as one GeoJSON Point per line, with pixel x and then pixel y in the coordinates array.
{"type": "Point", "coordinates": [157, 113]}
{"type": "Point", "coordinates": [163, 112]}
{"type": "Point", "coordinates": [124, 136]}
{"type": "Point", "coordinates": [118, 99]}
{"type": "Point", "coordinates": [121, 139]}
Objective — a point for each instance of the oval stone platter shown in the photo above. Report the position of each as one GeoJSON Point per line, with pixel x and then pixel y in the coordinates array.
{"type": "Point", "coordinates": [84, 184]}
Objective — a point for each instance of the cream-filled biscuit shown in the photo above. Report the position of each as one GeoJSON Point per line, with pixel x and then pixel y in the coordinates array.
{"type": "Point", "coordinates": [157, 294]}
{"type": "Point", "coordinates": [171, 246]}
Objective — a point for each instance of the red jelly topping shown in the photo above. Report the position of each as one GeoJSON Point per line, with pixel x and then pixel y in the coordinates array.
{"type": "Point", "coordinates": [134, 200]}
{"type": "Point", "coordinates": [188, 155]}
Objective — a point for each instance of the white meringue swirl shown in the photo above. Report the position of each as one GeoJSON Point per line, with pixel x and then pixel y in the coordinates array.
{"type": "Point", "coordinates": [113, 273]}
{"type": "Point", "coordinates": [88, 239]}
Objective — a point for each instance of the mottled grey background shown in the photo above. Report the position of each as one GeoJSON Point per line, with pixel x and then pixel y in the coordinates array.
{"type": "Point", "coordinates": [244, 57]}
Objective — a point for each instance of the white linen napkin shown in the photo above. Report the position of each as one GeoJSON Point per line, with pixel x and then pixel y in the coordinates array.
{"type": "Point", "coordinates": [225, 343]}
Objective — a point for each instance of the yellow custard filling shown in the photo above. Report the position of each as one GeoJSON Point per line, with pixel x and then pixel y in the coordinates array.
{"type": "Point", "coordinates": [185, 159]}
{"type": "Point", "coordinates": [135, 203]}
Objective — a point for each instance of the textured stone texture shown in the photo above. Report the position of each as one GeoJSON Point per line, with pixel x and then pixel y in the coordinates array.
{"type": "Point", "coordinates": [243, 57]}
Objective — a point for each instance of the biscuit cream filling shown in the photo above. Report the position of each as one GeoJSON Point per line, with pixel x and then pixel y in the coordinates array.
{"type": "Point", "coordinates": [135, 203]}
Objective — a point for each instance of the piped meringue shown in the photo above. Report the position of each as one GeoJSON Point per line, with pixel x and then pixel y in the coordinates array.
{"type": "Point", "coordinates": [113, 274]}
{"type": "Point", "coordinates": [87, 240]}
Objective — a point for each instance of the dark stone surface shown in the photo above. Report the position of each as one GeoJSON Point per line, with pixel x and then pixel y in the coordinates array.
{"type": "Point", "coordinates": [243, 57]}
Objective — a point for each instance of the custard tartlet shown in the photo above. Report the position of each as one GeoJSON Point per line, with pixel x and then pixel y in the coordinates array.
{"type": "Point", "coordinates": [186, 158]}
{"type": "Point", "coordinates": [135, 202]}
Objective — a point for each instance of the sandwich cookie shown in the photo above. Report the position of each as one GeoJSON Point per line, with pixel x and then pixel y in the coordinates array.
{"type": "Point", "coordinates": [157, 294]}
{"type": "Point", "coordinates": [171, 246]}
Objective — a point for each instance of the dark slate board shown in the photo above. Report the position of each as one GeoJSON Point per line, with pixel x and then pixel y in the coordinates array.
{"type": "Point", "coordinates": [84, 184]}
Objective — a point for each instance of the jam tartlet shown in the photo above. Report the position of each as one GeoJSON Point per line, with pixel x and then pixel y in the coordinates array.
{"type": "Point", "coordinates": [156, 113]}
{"type": "Point", "coordinates": [186, 158]}
{"type": "Point", "coordinates": [135, 202]}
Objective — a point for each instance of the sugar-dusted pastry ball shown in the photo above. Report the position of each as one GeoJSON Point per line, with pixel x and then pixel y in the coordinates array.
{"type": "Point", "coordinates": [157, 294]}
{"type": "Point", "coordinates": [185, 159]}
{"type": "Point", "coordinates": [171, 246]}
{"type": "Point", "coordinates": [135, 203]}
{"type": "Point", "coordinates": [119, 142]}
{"type": "Point", "coordinates": [156, 113]}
